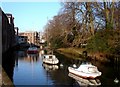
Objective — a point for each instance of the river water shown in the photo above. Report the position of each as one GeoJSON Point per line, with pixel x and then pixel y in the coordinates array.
{"type": "Point", "coordinates": [28, 69]}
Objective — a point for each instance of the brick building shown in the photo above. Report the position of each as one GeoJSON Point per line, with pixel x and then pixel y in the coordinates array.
{"type": "Point", "coordinates": [32, 37]}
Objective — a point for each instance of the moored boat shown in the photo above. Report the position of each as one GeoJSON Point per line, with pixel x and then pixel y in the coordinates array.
{"type": "Point", "coordinates": [32, 50]}
{"type": "Point", "coordinates": [85, 71]}
{"type": "Point", "coordinates": [50, 59]}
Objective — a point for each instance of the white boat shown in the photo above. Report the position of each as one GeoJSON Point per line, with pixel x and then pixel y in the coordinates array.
{"type": "Point", "coordinates": [85, 82]}
{"type": "Point", "coordinates": [50, 59]}
{"type": "Point", "coordinates": [50, 67]}
{"type": "Point", "coordinates": [32, 50]}
{"type": "Point", "coordinates": [85, 71]}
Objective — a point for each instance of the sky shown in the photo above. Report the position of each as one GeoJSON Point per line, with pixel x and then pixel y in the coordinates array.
{"type": "Point", "coordinates": [31, 16]}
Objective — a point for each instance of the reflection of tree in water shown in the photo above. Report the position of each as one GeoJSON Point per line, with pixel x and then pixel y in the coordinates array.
{"type": "Point", "coordinates": [8, 62]}
{"type": "Point", "coordinates": [117, 70]}
{"type": "Point", "coordinates": [60, 78]}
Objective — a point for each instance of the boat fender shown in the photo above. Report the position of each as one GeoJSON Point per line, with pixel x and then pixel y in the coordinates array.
{"type": "Point", "coordinates": [116, 80]}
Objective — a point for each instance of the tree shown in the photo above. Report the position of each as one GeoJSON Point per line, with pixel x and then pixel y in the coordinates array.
{"type": "Point", "coordinates": [82, 22]}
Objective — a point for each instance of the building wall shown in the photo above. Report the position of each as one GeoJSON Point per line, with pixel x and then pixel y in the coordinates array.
{"type": "Point", "coordinates": [22, 39]}
{"type": "Point", "coordinates": [8, 36]}
{"type": "Point", "coordinates": [16, 30]}
{"type": "Point", "coordinates": [32, 37]}
{"type": "Point", "coordinates": [12, 30]}
{"type": "Point", "coordinates": [16, 35]}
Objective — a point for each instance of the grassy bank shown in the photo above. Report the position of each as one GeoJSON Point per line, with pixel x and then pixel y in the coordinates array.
{"type": "Point", "coordinates": [77, 52]}
{"type": "Point", "coordinates": [74, 53]}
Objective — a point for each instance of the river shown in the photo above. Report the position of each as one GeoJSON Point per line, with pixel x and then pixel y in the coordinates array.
{"type": "Point", "coordinates": [28, 69]}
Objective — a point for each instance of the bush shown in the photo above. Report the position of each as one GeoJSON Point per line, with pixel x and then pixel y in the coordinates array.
{"type": "Point", "coordinates": [104, 41]}
{"type": "Point", "coordinates": [98, 42]}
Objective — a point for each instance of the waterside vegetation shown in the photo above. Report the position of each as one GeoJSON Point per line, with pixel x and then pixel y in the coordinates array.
{"type": "Point", "coordinates": [86, 26]}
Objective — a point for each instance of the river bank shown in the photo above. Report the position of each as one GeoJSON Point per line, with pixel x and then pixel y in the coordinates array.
{"type": "Point", "coordinates": [72, 52]}
{"type": "Point", "coordinates": [76, 53]}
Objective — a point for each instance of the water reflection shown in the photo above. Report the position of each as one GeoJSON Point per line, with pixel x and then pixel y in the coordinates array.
{"type": "Point", "coordinates": [23, 56]}
{"type": "Point", "coordinates": [117, 71]}
{"type": "Point", "coordinates": [8, 62]}
{"type": "Point", "coordinates": [85, 82]}
{"type": "Point", "coordinates": [28, 69]}
{"type": "Point", "coordinates": [49, 67]}
{"type": "Point", "coordinates": [109, 73]}
{"type": "Point", "coordinates": [41, 53]}
{"type": "Point", "coordinates": [32, 57]}
{"type": "Point", "coordinates": [22, 53]}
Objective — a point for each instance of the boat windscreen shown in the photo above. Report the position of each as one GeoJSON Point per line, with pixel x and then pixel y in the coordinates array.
{"type": "Point", "coordinates": [50, 57]}
{"type": "Point", "coordinates": [92, 69]}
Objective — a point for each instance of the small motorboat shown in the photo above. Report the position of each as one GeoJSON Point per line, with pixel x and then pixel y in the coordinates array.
{"type": "Point", "coordinates": [86, 70]}
{"type": "Point", "coordinates": [32, 50]}
{"type": "Point", "coordinates": [85, 82]}
{"type": "Point", "coordinates": [50, 59]}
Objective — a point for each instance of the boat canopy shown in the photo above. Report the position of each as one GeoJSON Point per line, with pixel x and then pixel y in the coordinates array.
{"type": "Point", "coordinates": [87, 68]}
{"type": "Point", "coordinates": [49, 56]}
{"type": "Point", "coordinates": [32, 48]}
